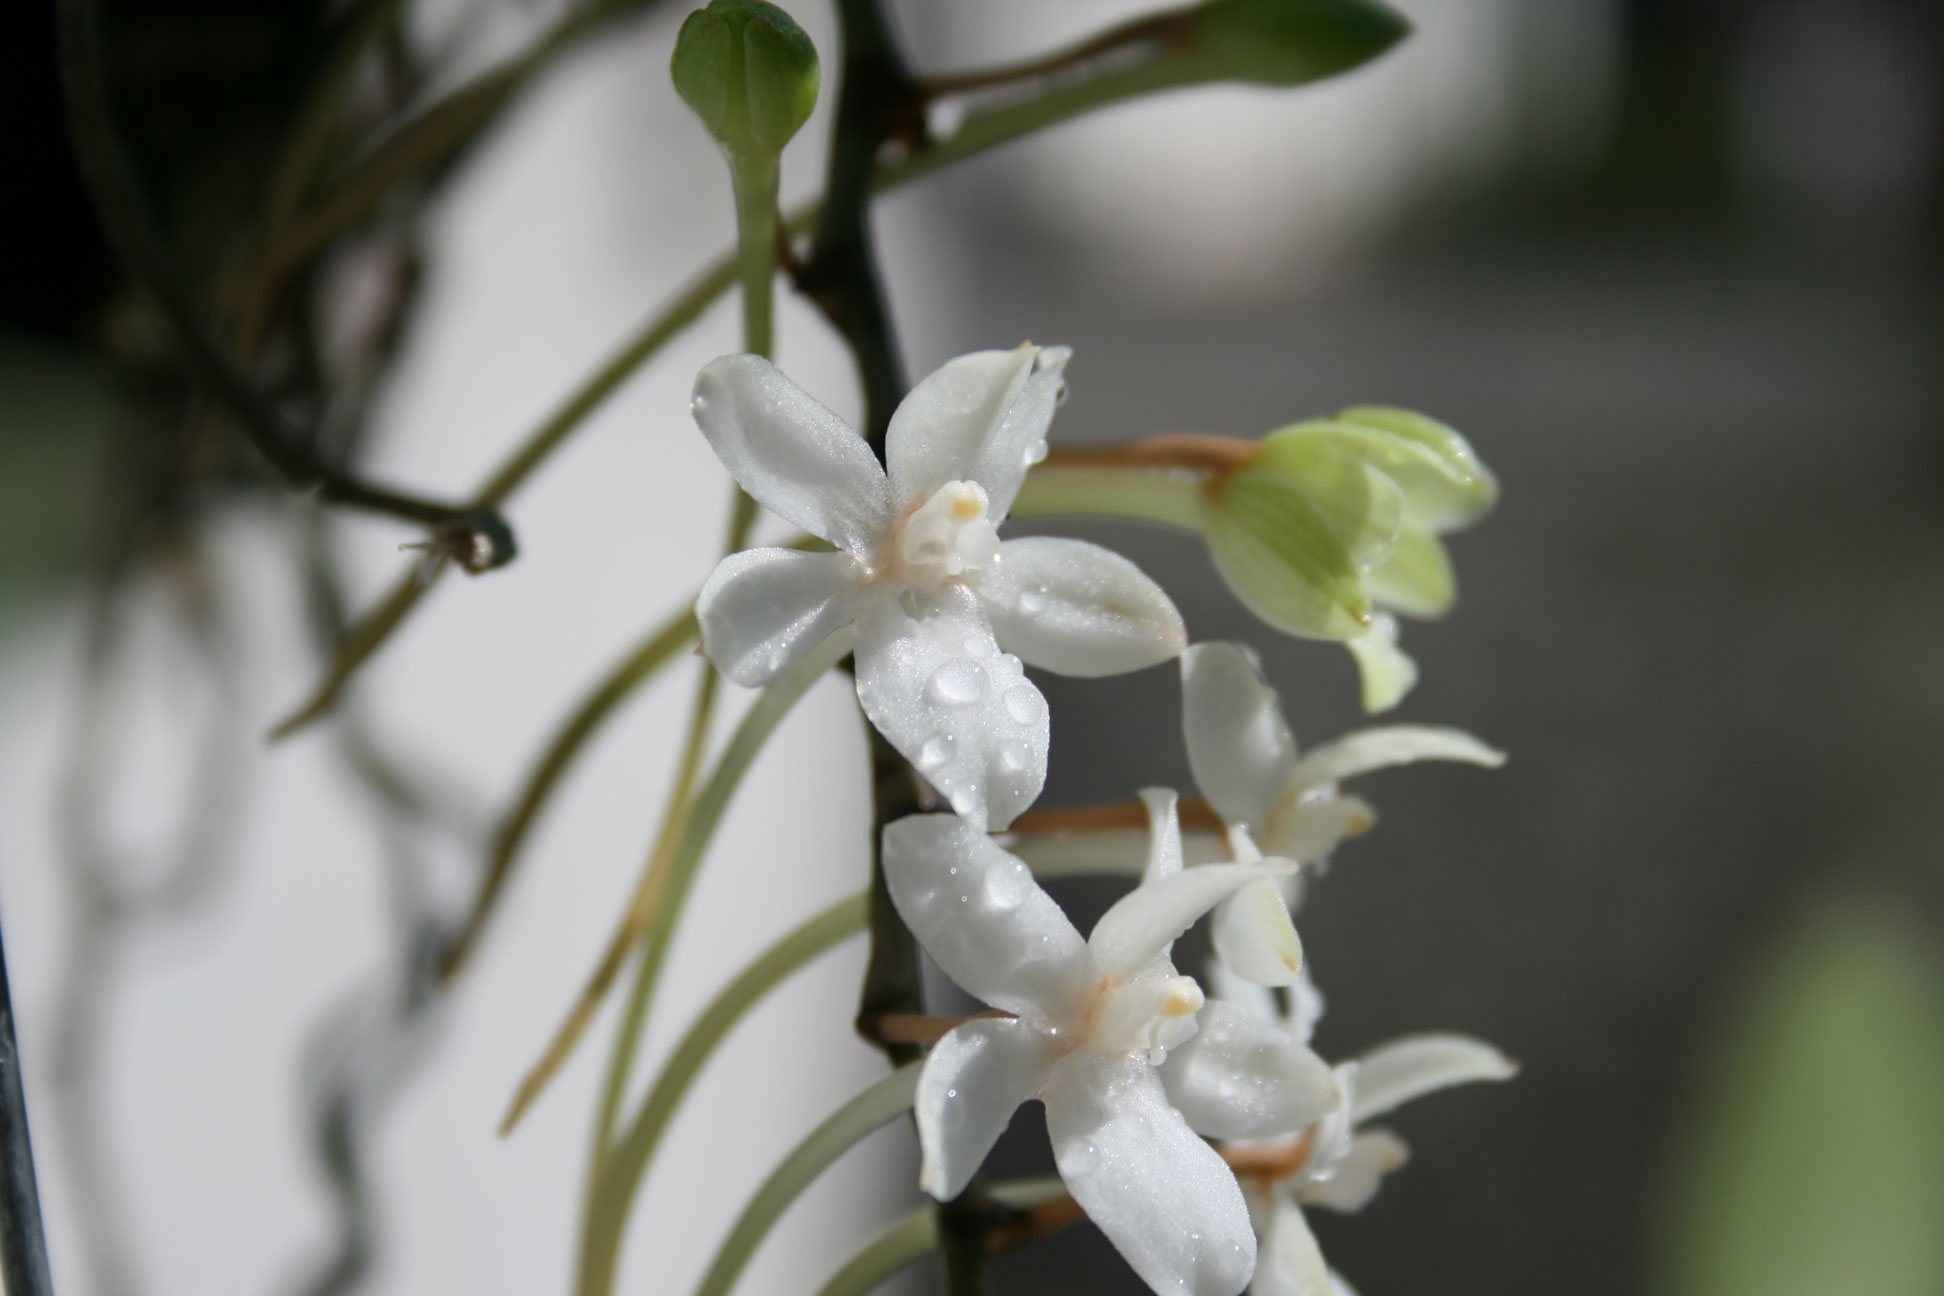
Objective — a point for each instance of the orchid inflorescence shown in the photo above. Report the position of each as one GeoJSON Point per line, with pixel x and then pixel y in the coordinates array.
{"type": "Point", "coordinates": [1137, 1066]}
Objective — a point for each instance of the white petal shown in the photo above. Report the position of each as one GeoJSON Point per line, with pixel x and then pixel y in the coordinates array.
{"type": "Point", "coordinates": [973, 1080]}
{"type": "Point", "coordinates": [1141, 923]}
{"type": "Point", "coordinates": [1359, 1172]}
{"type": "Point", "coordinates": [982, 417]}
{"type": "Point", "coordinates": [799, 460]}
{"type": "Point", "coordinates": [1339, 1286]}
{"type": "Point", "coordinates": [1387, 670]}
{"type": "Point", "coordinates": [980, 915]}
{"type": "Point", "coordinates": [1291, 1262]}
{"type": "Point", "coordinates": [1166, 1201]}
{"type": "Point", "coordinates": [1240, 1077]}
{"type": "Point", "coordinates": [762, 609]}
{"type": "Point", "coordinates": [1239, 745]}
{"type": "Point", "coordinates": [1305, 1007]}
{"type": "Point", "coordinates": [1307, 831]}
{"type": "Point", "coordinates": [937, 686]}
{"type": "Point", "coordinates": [1252, 933]}
{"type": "Point", "coordinates": [1395, 1073]}
{"type": "Point", "coordinates": [1251, 997]}
{"type": "Point", "coordinates": [1077, 609]}
{"type": "Point", "coordinates": [1364, 750]}
{"type": "Point", "coordinates": [1164, 834]}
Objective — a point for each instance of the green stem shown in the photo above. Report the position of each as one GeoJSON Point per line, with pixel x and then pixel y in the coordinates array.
{"type": "Point", "coordinates": [912, 1237]}
{"type": "Point", "coordinates": [877, 1105]}
{"type": "Point", "coordinates": [654, 652]}
{"type": "Point", "coordinates": [755, 184]}
{"type": "Point", "coordinates": [1168, 496]}
{"type": "Point", "coordinates": [607, 1214]}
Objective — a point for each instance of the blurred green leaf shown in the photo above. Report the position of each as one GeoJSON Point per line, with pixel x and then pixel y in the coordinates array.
{"type": "Point", "coordinates": [56, 416]}
{"type": "Point", "coordinates": [1815, 1161]}
{"type": "Point", "coordinates": [1289, 42]}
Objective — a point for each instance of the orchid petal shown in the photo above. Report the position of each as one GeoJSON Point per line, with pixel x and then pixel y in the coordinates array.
{"type": "Point", "coordinates": [1166, 1201]}
{"type": "Point", "coordinates": [799, 460]}
{"type": "Point", "coordinates": [1240, 1077]}
{"type": "Point", "coordinates": [1164, 834]}
{"type": "Point", "coordinates": [1142, 923]}
{"type": "Point", "coordinates": [1077, 609]}
{"type": "Point", "coordinates": [981, 417]}
{"type": "Point", "coordinates": [1407, 1068]}
{"type": "Point", "coordinates": [1257, 1000]}
{"type": "Point", "coordinates": [1387, 671]}
{"type": "Point", "coordinates": [1364, 750]}
{"type": "Point", "coordinates": [1308, 831]}
{"type": "Point", "coordinates": [1339, 1286]}
{"type": "Point", "coordinates": [1305, 1007]}
{"type": "Point", "coordinates": [1252, 933]}
{"type": "Point", "coordinates": [938, 688]}
{"type": "Point", "coordinates": [1239, 745]}
{"type": "Point", "coordinates": [980, 915]}
{"type": "Point", "coordinates": [763, 609]}
{"type": "Point", "coordinates": [1359, 1172]}
{"type": "Point", "coordinates": [973, 1080]}
{"type": "Point", "coordinates": [1291, 1263]}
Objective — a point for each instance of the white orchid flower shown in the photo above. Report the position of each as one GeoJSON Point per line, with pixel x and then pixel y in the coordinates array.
{"type": "Point", "coordinates": [1339, 1163]}
{"type": "Point", "coordinates": [1269, 798]}
{"type": "Point", "coordinates": [943, 610]}
{"type": "Point", "coordinates": [1093, 1022]}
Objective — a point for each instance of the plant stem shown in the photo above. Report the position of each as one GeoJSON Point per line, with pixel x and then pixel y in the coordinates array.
{"type": "Point", "coordinates": [756, 185]}
{"type": "Point", "coordinates": [654, 652]}
{"type": "Point", "coordinates": [659, 894]}
{"type": "Point", "coordinates": [878, 1104]}
{"type": "Point", "coordinates": [23, 1244]}
{"type": "Point", "coordinates": [913, 1236]}
{"type": "Point", "coordinates": [607, 1215]}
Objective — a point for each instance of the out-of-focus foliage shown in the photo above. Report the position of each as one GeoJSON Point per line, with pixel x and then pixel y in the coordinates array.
{"type": "Point", "coordinates": [56, 414]}
{"type": "Point", "coordinates": [1813, 1164]}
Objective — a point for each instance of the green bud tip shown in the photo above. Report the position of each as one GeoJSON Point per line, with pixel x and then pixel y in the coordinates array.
{"type": "Point", "coordinates": [749, 72]}
{"type": "Point", "coordinates": [1290, 42]}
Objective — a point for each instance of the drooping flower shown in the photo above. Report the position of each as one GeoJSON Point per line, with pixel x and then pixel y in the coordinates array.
{"type": "Point", "coordinates": [1246, 763]}
{"type": "Point", "coordinates": [1340, 1162]}
{"type": "Point", "coordinates": [1104, 1032]}
{"type": "Point", "coordinates": [943, 611]}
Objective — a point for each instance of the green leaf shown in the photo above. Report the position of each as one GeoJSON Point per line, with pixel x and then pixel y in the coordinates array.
{"type": "Point", "coordinates": [1417, 579]}
{"type": "Point", "coordinates": [1445, 485]}
{"type": "Point", "coordinates": [1280, 554]}
{"type": "Point", "coordinates": [1814, 1163]}
{"type": "Point", "coordinates": [1290, 42]}
{"type": "Point", "coordinates": [749, 72]}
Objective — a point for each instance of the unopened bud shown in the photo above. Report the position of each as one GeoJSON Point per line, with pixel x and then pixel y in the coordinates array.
{"type": "Point", "coordinates": [749, 72]}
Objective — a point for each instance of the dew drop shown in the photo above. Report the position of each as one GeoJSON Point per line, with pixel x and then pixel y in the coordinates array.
{"type": "Point", "coordinates": [957, 684]}
{"type": "Point", "coordinates": [1014, 756]}
{"type": "Point", "coordinates": [1035, 453]}
{"type": "Point", "coordinates": [1032, 602]}
{"type": "Point", "coordinates": [935, 753]}
{"type": "Point", "coordinates": [1024, 704]}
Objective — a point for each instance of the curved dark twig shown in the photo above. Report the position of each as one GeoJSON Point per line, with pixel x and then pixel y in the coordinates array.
{"type": "Point", "coordinates": [23, 1244]}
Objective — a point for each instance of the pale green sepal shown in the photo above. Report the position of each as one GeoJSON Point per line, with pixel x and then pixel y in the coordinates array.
{"type": "Point", "coordinates": [1417, 579]}
{"type": "Point", "coordinates": [1363, 507]}
{"type": "Point", "coordinates": [1445, 485]}
{"type": "Point", "coordinates": [749, 72]}
{"type": "Point", "coordinates": [1283, 559]}
{"type": "Point", "coordinates": [1290, 42]}
{"type": "Point", "coordinates": [1387, 670]}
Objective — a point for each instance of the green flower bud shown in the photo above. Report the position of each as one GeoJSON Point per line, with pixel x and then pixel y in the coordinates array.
{"type": "Point", "coordinates": [1445, 486]}
{"type": "Point", "coordinates": [1290, 42]}
{"type": "Point", "coordinates": [749, 72]}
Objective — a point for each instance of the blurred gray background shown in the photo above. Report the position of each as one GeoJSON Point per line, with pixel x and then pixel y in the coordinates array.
{"type": "Point", "coordinates": [1674, 269]}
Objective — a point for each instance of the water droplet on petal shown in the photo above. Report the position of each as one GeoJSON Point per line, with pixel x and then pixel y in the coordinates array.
{"type": "Point", "coordinates": [957, 683]}
{"type": "Point", "coordinates": [1024, 704]}
{"type": "Point", "coordinates": [1014, 756]}
{"type": "Point", "coordinates": [1035, 453]}
{"type": "Point", "coordinates": [936, 752]}
{"type": "Point", "coordinates": [1032, 602]}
